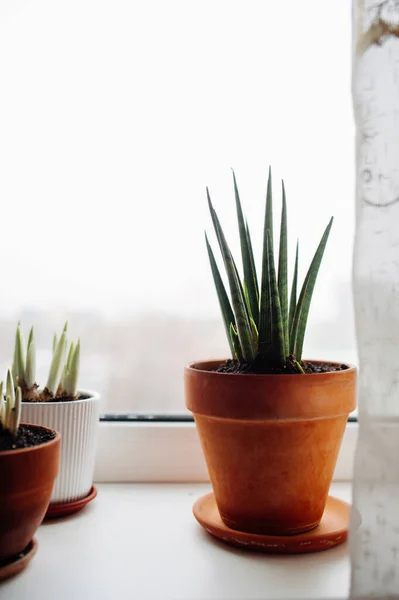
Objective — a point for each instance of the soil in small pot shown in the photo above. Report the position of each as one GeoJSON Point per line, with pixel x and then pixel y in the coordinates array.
{"type": "Point", "coordinates": [260, 367]}
{"type": "Point", "coordinates": [46, 396]}
{"type": "Point", "coordinates": [68, 398]}
{"type": "Point", "coordinates": [28, 435]}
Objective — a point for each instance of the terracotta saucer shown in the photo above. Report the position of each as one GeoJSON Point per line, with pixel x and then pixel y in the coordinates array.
{"type": "Point", "coordinates": [332, 531]}
{"type": "Point", "coordinates": [62, 509]}
{"type": "Point", "coordinates": [20, 562]}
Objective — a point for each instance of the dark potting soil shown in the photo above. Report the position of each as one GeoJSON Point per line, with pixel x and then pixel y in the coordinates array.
{"type": "Point", "coordinates": [27, 436]}
{"type": "Point", "coordinates": [68, 398]}
{"type": "Point", "coordinates": [260, 367]}
{"type": "Point", "coordinates": [310, 367]}
{"type": "Point", "coordinates": [47, 396]}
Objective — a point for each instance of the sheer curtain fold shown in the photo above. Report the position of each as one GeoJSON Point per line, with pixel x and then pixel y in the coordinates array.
{"type": "Point", "coordinates": [374, 546]}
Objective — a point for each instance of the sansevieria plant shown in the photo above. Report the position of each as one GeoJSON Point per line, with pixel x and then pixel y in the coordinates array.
{"type": "Point", "coordinates": [269, 422]}
{"type": "Point", "coordinates": [265, 328]}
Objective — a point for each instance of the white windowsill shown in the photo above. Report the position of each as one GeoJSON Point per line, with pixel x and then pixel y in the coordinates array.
{"type": "Point", "coordinates": [171, 452]}
{"type": "Point", "coordinates": [141, 541]}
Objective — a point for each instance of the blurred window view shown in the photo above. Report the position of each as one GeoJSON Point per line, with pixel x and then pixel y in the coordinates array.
{"type": "Point", "coordinates": [114, 117]}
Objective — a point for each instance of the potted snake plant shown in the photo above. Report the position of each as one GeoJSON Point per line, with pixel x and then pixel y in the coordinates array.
{"type": "Point", "coordinates": [29, 459]}
{"type": "Point", "coordinates": [270, 422]}
{"type": "Point", "coordinates": [61, 406]}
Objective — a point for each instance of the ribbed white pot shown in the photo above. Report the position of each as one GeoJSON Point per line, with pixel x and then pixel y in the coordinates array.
{"type": "Point", "coordinates": [77, 421]}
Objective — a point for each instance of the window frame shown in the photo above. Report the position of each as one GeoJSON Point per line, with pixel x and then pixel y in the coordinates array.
{"type": "Point", "coordinates": [166, 449]}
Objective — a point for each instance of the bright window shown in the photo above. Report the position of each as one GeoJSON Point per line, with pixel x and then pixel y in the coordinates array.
{"type": "Point", "coordinates": [114, 116]}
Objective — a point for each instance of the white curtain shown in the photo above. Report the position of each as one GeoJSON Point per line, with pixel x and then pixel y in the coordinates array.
{"type": "Point", "coordinates": [374, 546]}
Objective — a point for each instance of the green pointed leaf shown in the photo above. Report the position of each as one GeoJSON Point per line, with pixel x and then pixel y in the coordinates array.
{"type": "Point", "coordinates": [217, 227]}
{"type": "Point", "coordinates": [305, 297]}
{"type": "Point", "coordinates": [237, 298]}
{"type": "Point", "coordinates": [272, 344]}
{"type": "Point", "coordinates": [293, 298]}
{"type": "Point", "coordinates": [247, 263]}
{"type": "Point", "coordinates": [277, 329]}
{"type": "Point", "coordinates": [246, 298]}
{"type": "Point", "coordinates": [269, 208]}
{"type": "Point", "coordinates": [224, 302]}
{"type": "Point", "coordinates": [241, 286]}
{"type": "Point", "coordinates": [237, 352]}
{"type": "Point", "coordinates": [265, 312]}
{"type": "Point", "coordinates": [265, 315]}
{"type": "Point", "coordinates": [253, 266]}
{"type": "Point", "coordinates": [255, 333]}
{"type": "Point", "coordinates": [283, 271]}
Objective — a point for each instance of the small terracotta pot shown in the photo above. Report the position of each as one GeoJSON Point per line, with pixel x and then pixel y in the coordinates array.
{"type": "Point", "coordinates": [271, 442]}
{"type": "Point", "coordinates": [27, 477]}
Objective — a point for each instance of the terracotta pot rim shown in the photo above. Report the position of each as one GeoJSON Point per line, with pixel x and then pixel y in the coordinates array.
{"type": "Point", "coordinates": [264, 397]}
{"type": "Point", "coordinates": [92, 396]}
{"type": "Point", "coordinates": [193, 367]}
{"type": "Point", "coordinates": [38, 447]}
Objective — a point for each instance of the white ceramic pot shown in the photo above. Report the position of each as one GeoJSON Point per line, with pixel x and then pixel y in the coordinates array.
{"type": "Point", "coordinates": [77, 421]}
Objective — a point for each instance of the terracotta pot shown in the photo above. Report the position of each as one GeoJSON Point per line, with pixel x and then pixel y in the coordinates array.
{"type": "Point", "coordinates": [77, 421]}
{"type": "Point", "coordinates": [27, 477]}
{"type": "Point", "coordinates": [270, 442]}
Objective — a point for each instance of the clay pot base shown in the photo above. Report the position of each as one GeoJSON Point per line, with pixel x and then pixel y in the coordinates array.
{"type": "Point", "coordinates": [332, 531]}
{"type": "Point", "coordinates": [62, 509]}
{"type": "Point", "coordinates": [15, 566]}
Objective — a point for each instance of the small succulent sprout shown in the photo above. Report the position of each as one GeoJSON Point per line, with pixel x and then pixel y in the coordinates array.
{"type": "Point", "coordinates": [71, 371]}
{"type": "Point", "coordinates": [15, 417]}
{"type": "Point", "coordinates": [62, 380]}
{"type": "Point", "coordinates": [67, 365]}
{"type": "Point", "coordinates": [56, 367]}
{"type": "Point", "coordinates": [55, 342]}
{"type": "Point", "coordinates": [18, 363]}
{"type": "Point", "coordinates": [70, 354]}
{"type": "Point", "coordinates": [10, 411]}
{"type": "Point", "coordinates": [17, 410]}
{"type": "Point", "coordinates": [24, 366]}
{"type": "Point", "coordinates": [10, 389]}
{"type": "Point", "coordinates": [31, 335]}
{"type": "Point", "coordinates": [30, 368]}
{"type": "Point", "coordinates": [7, 412]}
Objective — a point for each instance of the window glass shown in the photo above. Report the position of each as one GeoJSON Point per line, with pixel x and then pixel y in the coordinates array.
{"type": "Point", "coordinates": [114, 116]}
